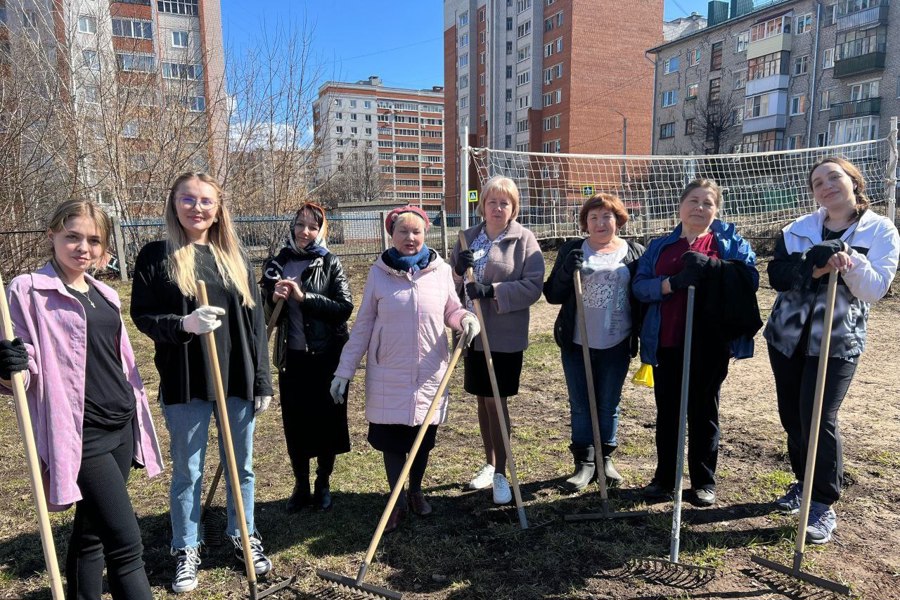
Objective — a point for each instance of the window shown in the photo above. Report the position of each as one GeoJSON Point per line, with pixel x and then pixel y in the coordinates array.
{"type": "Point", "coordinates": [338, 116]}
{"type": "Point", "coordinates": [481, 37]}
{"type": "Point", "coordinates": [463, 82]}
{"type": "Point", "coordinates": [507, 142]}
{"type": "Point", "coordinates": [666, 131]}
{"type": "Point", "coordinates": [670, 98]}
{"type": "Point", "coordinates": [523, 5]}
{"type": "Point", "coordinates": [179, 39]}
{"type": "Point", "coordinates": [508, 118]}
{"type": "Point", "coordinates": [828, 58]}
{"type": "Point", "coordinates": [757, 106]}
{"type": "Point", "coordinates": [178, 7]}
{"type": "Point", "coordinates": [825, 100]}
{"type": "Point", "coordinates": [521, 125]}
{"type": "Point", "coordinates": [139, 63]}
{"type": "Point", "coordinates": [523, 53]}
{"type": "Point", "coordinates": [464, 102]}
{"type": "Point", "coordinates": [29, 19]}
{"type": "Point", "coordinates": [688, 127]}
{"type": "Point", "coordinates": [821, 139]}
{"type": "Point", "coordinates": [847, 131]}
{"type": "Point", "coordinates": [553, 47]}
{"type": "Point", "coordinates": [509, 95]}
{"type": "Point", "coordinates": [463, 19]}
{"type": "Point", "coordinates": [464, 40]}
{"type": "Point", "coordinates": [481, 100]}
{"type": "Point", "coordinates": [766, 141]}
{"type": "Point", "coordinates": [367, 104]}
{"type": "Point", "coordinates": [130, 28]}
{"type": "Point", "coordinates": [523, 78]}
{"type": "Point", "coordinates": [181, 71]}
{"type": "Point", "coordinates": [339, 129]}
{"type": "Point", "coordinates": [743, 40]}
{"type": "Point", "coordinates": [353, 116]}
{"type": "Point", "coordinates": [830, 19]}
{"type": "Point", "coordinates": [671, 65]}
{"type": "Point", "coordinates": [338, 102]}
{"type": "Point", "coordinates": [551, 146]}
{"type": "Point", "coordinates": [481, 58]}
{"type": "Point", "coordinates": [551, 123]}
{"type": "Point", "coordinates": [803, 23]}
{"type": "Point", "coordinates": [798, 104]}
{"type": "Point", "coordinates": [464, 60]}
{"type": "Point", "coordinates": [91, 59]}
{"type": "Point", "coordinates": [715, 56]}
{"type": "Point", "coordinates": [859, 42]}
{"type": "Point", "coordinates": [795, 142]}
{"type": "Point", "coordinates": [767, 65]}
{"type": "Point", "coordinates": [130, 129]}
{"type": "Point", "coordinates": [481, 15]}
{"type": "Point", "coordinates": [524, 29]}
{"type": "Point", "coordinates": [737, 116]}
{"type": "Point", "coordinates": [524, 101]}
{"type": "Point", "coordinates": [715, 89]}
{"type": "Point", "coordinates": [509, 23]}
{"type": "Point", "coordinates": [864, 91]}
{"type": "Point", "coordinates": [91, 94]}
{"type": "Point", "coordinates": [481, 80]}
{"type": "Point", "coordinates": [87, 24]}
{"type": "Point", "coordinates": [509, 48]}
{"type": "Point", "coordinates": [548, 24]}
{"type": "Point", "coordinates": [547, 99]}
{"type": "Point", "coordinates": [692, 91]}
{"type": "Point", "coordinates": [801, 65]}
{"type": "Point", "coordinates": [354, 130]}
{"type": "Point", "coordinates": [770, 28]}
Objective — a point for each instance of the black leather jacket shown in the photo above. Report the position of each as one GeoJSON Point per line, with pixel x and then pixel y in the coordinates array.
{"type": "Point", "coordinates": [326, 306]}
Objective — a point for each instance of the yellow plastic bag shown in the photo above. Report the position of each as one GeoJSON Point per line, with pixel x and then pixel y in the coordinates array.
{"type": "Point", "coordinates": [643, 376]}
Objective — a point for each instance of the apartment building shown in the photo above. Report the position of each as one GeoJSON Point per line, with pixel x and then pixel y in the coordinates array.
{"type": "Point", "coordinates": [383, 144]}
{"type": "Point", "coordinates": [548, 76]}
{"type": "Point", "coordinates": [784, 75]}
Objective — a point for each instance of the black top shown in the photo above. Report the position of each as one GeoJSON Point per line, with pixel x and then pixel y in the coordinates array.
{"type": "Point", "coordinates": [157, 306]}
{"type": "Point", "coordinates": [109, 401]}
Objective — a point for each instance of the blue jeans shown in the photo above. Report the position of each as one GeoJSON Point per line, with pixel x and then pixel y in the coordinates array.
{"type": "Point", "coordinates": [188, 426]}
{"type": "Point", "coordinates": [609, 366]}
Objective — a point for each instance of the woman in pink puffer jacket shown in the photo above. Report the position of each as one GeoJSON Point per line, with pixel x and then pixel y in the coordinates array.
{"type": "Point", "coordinates": [408, 302]}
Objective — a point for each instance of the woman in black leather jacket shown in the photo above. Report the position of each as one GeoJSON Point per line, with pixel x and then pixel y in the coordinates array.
{"type": "Point", "coordinates": [312, 330]}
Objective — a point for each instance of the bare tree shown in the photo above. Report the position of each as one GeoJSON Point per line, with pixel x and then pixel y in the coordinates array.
{"type": "Point", "coordinates": [711, 125]}
{"type": "Point", "coordinates": [359, 179]}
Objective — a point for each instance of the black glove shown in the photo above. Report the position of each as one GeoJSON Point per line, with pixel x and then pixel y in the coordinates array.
{"type": "Point", "coordinates": [687, 277]}
{"type": "Point", "coordinates": [13, 357]}
{"type": "Point", "coordinates": [479, 290]}
{"type": "Point", "coordinates": [703, 263]}
{"type": "Point", "coordinates": [465, 260]}
{"type": "Point", "coordinates": [819, 254]}
{"type": "Point", "coordinates": [573, 262]}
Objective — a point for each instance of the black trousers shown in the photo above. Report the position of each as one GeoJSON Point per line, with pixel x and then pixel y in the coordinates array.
{"type": "Point", "coordinates": [105, 528]}
{"type": "Point", "coordinates": [795, 386]}
{"type": "Point", "coordinates": [709, 366]}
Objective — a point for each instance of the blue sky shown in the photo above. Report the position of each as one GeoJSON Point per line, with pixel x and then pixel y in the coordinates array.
{"type": "Point", "coordinates": [401, 40]}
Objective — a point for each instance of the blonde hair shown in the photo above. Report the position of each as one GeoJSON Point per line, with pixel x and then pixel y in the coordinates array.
{"type": "Point", "coordinates": [81, 208]}
{"type": "Point", "coordinates": [498, 184]}
{"type": "Point", "coordinates": [223, 242]}
{"type": "Point", "coordinates": [405, 218]}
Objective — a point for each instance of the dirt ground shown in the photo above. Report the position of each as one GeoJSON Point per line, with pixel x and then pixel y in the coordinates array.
{"type": "Point", "coordinates": [471, 549]}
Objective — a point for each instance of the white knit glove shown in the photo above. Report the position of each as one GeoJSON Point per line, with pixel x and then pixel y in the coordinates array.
{"type": "Point", "coordinates": [261, 404]}
{"type": "Point", "coordinates": [470, 329]}
{"type": "Point", "coordinates": [203, 320]}
{"type": "Point", "coordinates": [338, 389]}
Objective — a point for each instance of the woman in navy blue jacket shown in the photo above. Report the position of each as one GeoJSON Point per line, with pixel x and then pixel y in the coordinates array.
{"type": "Point", "coordinates": [708, 254]}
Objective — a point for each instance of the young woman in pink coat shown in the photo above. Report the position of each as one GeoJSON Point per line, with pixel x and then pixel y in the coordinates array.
{"type": "Point", "coordinates": [408, 302]}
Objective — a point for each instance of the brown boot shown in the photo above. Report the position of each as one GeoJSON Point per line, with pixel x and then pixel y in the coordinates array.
{"type": "Point", "coordinates": [397, 516]}
{"type": "Point", "coordinates": [418, 504]}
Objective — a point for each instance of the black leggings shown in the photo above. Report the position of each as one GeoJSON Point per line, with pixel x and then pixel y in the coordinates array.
{"type": "Point", "coordinates": [105, 529]}
{"type": "Point", "coordinates": [393, 464]}
{"type": "Point", "coordinates": [795, 386]}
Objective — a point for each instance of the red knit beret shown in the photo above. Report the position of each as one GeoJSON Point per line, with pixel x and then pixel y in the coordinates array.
{"type": "Point", "coordinates": [394, 214]}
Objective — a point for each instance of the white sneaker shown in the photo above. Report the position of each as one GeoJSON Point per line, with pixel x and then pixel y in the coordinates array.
{"type": "Point", "coordinates": [483, 479]}
{"type": "Point", "coordinates": [186, 570]}
{"type": "Point", "coordinates": [502, 495]}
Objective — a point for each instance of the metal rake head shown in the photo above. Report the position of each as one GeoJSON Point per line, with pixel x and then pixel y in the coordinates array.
{"type": "Point", "coordinates": [357, 588]}
{"type": "Point", "coordinates": [665, 572]}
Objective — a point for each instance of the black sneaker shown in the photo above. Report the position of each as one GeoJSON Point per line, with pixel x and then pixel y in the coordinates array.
{"type": "Point", "coordinates": [704, 497]}
{"type": "Point", "coordinates": [261, 564]}
{"type": "Point", "coordinates": [656, 491]}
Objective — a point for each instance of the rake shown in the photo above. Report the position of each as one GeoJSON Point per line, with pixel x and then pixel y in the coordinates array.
{"type": "Point", "coordinates": [495, 388]}
{"type": "Point", "coordinates": [358, 585]}
{"type": "Point", "coordinates": [795, 570]}
{"type": "Point", "coordinates": [23, 415]}
{"type": "Point", "coordinates": [225, 430]}
{"type": "Point", "coordinates": [605, 512]}
{"type": "Point", "coordinates": [673, 566]}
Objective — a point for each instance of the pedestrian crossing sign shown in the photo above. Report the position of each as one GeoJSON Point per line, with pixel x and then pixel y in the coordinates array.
{"type": "Point", "coordinates": [473, 196]}
{"type": "Point", "coordinates": [587, 190]}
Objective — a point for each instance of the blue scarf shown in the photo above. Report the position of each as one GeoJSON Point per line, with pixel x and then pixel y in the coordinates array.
{"type": "Point", "coordinates": [407, 264]}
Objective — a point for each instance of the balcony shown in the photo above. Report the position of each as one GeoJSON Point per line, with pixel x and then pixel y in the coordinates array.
{"type": "Point", "coordinates": [767, 123]}
{"type": "Point", "coordinates": [856, 108]}
{"type": "Point", "coordinates": [769, 45]}
{"type": "Point", "coordinates": [857, 65]}
{"type": "Point", "coordinates": [767, 84]}
{"type": "Point", "coordinates": [877, 15]}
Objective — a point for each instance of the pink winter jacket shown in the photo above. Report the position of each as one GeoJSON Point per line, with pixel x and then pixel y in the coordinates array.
{"type": "Point", "coordinates": [401, 326]}
{"type": "Point", "coordinates": [51, 322]}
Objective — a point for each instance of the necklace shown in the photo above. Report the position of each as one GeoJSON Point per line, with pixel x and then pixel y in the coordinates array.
{"type": "Point", "coordinates": [86, 295]}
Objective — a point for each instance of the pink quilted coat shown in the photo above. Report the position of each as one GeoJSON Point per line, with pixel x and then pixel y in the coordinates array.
{"type": "Point", "coordinates": [401, 327]}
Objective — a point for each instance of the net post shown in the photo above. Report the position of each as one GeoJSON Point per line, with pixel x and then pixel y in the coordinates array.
{"type": "Point", "coordinates": [890, 176]}
{"type": "Point", "coordinates": [464, 179]}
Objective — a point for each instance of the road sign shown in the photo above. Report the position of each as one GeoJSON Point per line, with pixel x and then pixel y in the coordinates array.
{"type": "Point", "coordinates": [473, 196]}
{"type": "Point", "coordinates": [587, 190]}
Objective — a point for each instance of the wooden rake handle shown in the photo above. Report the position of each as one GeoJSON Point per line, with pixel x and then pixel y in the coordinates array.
{"type": "Point", "coordinates": [495, 388]}
{"type": "Point", "coordinates": [23, 416]}
{"type": "Point", "coordinates": [592, 393]}
{"type": "Point", "coordinates": [225, 430]}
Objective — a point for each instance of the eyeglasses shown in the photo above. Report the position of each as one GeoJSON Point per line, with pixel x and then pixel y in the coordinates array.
{"type": "Point", "coordinates": [189, 202]}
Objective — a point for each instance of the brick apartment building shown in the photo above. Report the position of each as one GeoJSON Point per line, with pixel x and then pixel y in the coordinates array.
{"type": "Point", "coordinates": [548, 76]}
{"type": "Point", "coordinates": [785, 75]}
{"type": "Point", "coordinates": [385, 144]}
